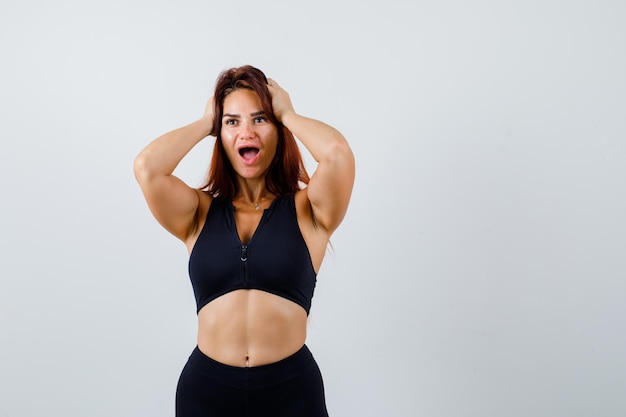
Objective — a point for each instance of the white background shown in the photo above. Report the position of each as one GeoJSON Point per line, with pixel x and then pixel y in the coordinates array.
{"type": "Point", "coordinates": [480, 270]}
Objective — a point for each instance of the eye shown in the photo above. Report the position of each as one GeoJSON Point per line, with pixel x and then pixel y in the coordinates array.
{"type": "Point", "coordinates": [230, 122]}
{"type": "Point", "coordinates": [260, 119]}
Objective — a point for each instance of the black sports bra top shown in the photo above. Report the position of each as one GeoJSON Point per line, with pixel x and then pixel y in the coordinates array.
{"type": "Point", "coordinates": [275, 259]}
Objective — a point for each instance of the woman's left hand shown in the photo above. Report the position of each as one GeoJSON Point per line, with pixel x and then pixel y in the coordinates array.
{"type": "Point", "coordinates": [281, 103]}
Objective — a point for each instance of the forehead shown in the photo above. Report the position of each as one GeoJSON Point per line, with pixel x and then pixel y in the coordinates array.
{"type": "Point", "coordinates": [242, 99]}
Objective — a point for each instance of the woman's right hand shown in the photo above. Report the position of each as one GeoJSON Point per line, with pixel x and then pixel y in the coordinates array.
{"type": "Point", "coordinates": [209, 113]}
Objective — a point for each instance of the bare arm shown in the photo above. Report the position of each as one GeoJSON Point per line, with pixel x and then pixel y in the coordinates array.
{"type": "Point", "coordinates": [331, 185]}
{"type": "Point", "coordinates": [172, 202]}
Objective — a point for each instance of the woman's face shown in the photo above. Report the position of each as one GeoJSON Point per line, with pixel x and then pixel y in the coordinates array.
{"type": "Point", "coordinates": [248, 136]}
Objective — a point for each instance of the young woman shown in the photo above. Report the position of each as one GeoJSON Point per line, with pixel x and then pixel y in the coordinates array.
{"type": "Point", "coordinates": [257, 233]}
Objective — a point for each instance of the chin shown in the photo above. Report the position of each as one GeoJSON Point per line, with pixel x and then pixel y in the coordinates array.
{"type": "Point", "coordinates": [249, 174]}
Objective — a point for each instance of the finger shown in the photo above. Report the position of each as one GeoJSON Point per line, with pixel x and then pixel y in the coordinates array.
{"type": "Point", "coordinates": [271, 82]}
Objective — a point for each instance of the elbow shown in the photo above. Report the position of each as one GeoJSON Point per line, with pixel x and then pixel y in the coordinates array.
{"type": "Point", "coordinates": [340, 152]}
{"type": "Point", "coordinates": [141, 168]}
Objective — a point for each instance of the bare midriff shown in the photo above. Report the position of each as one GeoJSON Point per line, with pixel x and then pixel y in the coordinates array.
{"type": "Point", "coordinates": [247, 328]}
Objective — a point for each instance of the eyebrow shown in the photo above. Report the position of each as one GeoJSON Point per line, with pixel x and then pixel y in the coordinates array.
{"type": "Point", "coordinates": [256, 113]}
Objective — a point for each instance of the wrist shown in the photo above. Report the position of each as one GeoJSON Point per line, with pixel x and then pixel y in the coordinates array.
{"type": "Point", "coordinates": [206, 123]}
{"type": "Point", "coordinates": [285, 116]}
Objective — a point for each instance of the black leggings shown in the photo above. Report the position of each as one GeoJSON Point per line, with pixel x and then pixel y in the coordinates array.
{"type": "Point", "coordinates": [291, 387]}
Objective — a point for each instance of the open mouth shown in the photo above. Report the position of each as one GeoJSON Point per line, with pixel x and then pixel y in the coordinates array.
{"type": "Point", "coordinates": [248, 153]}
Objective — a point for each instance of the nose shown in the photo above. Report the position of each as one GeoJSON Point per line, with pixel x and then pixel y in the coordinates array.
{"type": "Point", "coordinates": [246, 131]}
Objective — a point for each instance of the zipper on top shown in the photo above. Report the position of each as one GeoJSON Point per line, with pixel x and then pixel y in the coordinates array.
{"type": "Point", "coordinates": [244, 264]}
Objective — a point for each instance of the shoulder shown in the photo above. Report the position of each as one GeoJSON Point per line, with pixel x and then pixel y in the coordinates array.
{"type": "Point", "coordinates": [305, 213]}
{"type": "Point", "coordinates": [205, 200]}
{"type": "Point", "coordinates": [315, 236]}
{"type": "Point", "coordinates": [302, 203]}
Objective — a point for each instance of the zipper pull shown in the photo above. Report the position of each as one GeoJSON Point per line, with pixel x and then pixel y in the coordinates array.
{"type": "Point", "coordinates": [244, 253]}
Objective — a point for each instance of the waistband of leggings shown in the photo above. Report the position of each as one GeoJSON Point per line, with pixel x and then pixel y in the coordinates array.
{"type": "Point", "coordinates": [262, 376]}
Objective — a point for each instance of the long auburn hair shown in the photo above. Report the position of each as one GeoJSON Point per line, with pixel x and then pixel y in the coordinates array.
{"type": "Point", "coordinates": [286, 171]}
